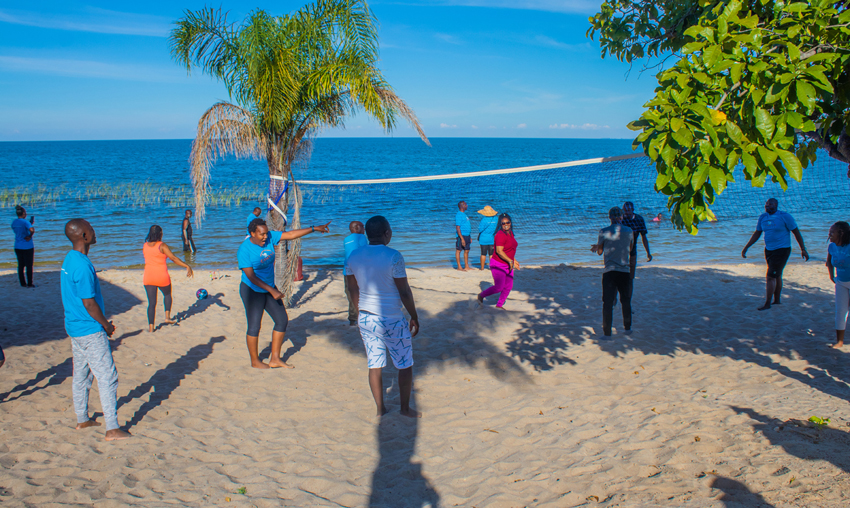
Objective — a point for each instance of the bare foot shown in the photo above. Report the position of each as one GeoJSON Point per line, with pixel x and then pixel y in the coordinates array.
{"type": "Point", "coordinates": [837, 345]}
{"type": "Point", "coordinates": [117, 435]}
{"type": "Point", "coordinates": [279, 364]}
{"type": "Point", "coordinates": [150, 328]}
{"type": "Point", "coordinates": [468, 269]}
{"type": "Point", "coordinates": [381, 412]}
{"type": "Point", "coordinates": [764, 307]}
{"type": "Point", "coordinates": [90, 423]}
{"type": "Point", "coordinates": [411, 413]}
{"type": "Point", "coordinates": [169, 321]}
{"type": "Point", "coordinates": [259, 365]}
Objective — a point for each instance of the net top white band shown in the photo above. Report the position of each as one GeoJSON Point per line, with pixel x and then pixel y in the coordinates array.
{"type": "Point", "coordinates": [470, 174]}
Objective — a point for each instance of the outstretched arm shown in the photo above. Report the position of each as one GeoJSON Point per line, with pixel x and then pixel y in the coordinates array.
{"type": "Point", "coordinates": [802, 245]}
{"type": "Point", "coordinates": [298, 233]}
{"type": "Point", "coordinates": [753, 239]}
{"type": "Point", "coordinates": [165, 249]}
{"type": "Point", "coordinates": [406, 295]}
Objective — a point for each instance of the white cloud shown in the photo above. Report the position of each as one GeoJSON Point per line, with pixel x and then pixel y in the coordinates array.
{"type": "Point", "coordinates": [474, 126]}
{"type": "Point", "coordinates": [451, 39]}
{"type": "Point", "coordinates": [583, 127]}
{"type": "Point", "coordinates": [521, 126]}
{"type": "Point", "coordinates": [447, 126]}
{"type": "Point", "coordinates": [544, 40]}
{"type": "Point", "coordinates": [91, 69]}
{"type": "Point", "coordinates": [94, 20]}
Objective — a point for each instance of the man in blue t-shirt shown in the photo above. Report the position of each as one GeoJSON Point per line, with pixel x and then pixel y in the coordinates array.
{"type": "Point", "coordinates": [255, 214]}
{"type": "Point", "coordinates": [776, 226]}
{"type": "Point", "coordinates": [89, 331]}
{"type": "Point", "coordinates": [487, 232]}
{"type": "Point", "coordinates": [463, 230]}
{"type": "Point", "coordinates": [351, 243]}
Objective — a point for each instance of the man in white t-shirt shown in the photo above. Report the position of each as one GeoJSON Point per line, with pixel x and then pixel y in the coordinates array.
{"type": "Point", "coordinates": [377, 283]}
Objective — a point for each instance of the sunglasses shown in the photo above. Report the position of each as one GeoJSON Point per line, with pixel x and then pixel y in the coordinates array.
{"type": "Point", "coordinates": [506, 223]}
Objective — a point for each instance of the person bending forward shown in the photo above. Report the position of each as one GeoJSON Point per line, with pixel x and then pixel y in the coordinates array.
{"type": "Point", "coordinates": [256, 257]}
{"type": "Point", "coordinates": [378, 285]}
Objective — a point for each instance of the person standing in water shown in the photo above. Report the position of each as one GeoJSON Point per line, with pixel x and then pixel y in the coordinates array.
{"type": "Point", "coordinates": [256, 257]}
{"type": "Point", "coordinates": [255, 214]}
{"type": "Point", "coordinates": [89, 331]}
{"type": "Point", "coordinates": [351, 243]}
{"type": "Point", "coordinates": [776, 225]}
{"type": "Point", "coordinates": [24, 248]}
{"type": "Point", "coordinates": [463, 242]}
{"type": "Point", "coordinates": [188, 242]}
{"type": "Point", "coordinates": [157, 253]}
{"type": "Point", "coordinates": [486, 232]}
{"type": "Point", "coordinates": [838, 265]}
{"type": "Point", "coordinates": [503, 263]}
{"type": "Point", "coordinates": [378, 283]}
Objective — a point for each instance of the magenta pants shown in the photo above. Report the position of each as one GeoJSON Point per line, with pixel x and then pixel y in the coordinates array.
{"type": "Point", "coordinates": [503, 281]}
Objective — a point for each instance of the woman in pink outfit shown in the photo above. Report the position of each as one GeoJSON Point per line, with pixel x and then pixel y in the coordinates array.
{"type": "Point", "coordinates": [503, 263]}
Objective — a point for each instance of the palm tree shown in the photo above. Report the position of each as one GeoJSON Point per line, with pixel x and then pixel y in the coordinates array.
{"type": "Point", "coordinates": [287, 77]}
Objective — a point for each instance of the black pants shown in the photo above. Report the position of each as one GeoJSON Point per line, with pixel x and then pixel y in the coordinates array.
{"type": "Point", "coordinates": [25, 260]}
{"type": "Point", "coordinates": [188, 244]}
{"type": "Point", "coordinates": [255, 303]}
{"type": "Point", "coordinates": [613, 283]}
{"type": "Point", "coordinates": [353, 314]}
{"type": "Point", "coordinates": [166, 299]}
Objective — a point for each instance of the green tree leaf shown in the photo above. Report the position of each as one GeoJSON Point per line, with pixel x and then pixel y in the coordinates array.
{"type": "Point", "coordinates": [792, 164]}
{"type": "Point", "coordinates": [764, 124]}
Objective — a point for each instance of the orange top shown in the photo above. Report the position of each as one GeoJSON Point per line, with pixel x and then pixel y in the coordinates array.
{"type": "Point", "coordinates": [156, 271]}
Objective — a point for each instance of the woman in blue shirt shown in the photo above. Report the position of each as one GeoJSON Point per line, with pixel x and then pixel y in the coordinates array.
{"type": "Point", "coordinates": [24, 249]}
{"type": "Point", "coordinates": [256, 258]}
{"type": "Point", "coordinates": [838, 264]}
{"type": "Point", "coordinates": [487, 232]}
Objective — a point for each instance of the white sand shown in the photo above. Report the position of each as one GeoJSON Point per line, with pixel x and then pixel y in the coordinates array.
{"type": "Point", "coordinates": [525, 407]}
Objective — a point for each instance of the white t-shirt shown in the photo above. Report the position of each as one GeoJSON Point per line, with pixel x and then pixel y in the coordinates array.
{"type": "Point", "coordinates": [375, 267]}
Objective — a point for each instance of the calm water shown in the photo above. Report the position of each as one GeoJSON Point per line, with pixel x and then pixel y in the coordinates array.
{"type": "Point", "coordinates": [556, 212]}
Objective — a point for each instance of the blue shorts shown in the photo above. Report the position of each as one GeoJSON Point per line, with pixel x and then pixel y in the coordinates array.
{"type": "Point", "coordinates": [467, 239]}
{"type": "Point", "coordinates": [381, 335]}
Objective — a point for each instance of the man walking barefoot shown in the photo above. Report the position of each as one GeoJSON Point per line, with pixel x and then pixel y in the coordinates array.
{"type": "Point", "coordinates": [464, 239]}
{"type": "Point", "coordinates": [615, 241]}
{"type": "Point", "coordinates": [776, 225]}
{"type": "Point", "coordinates": [378, 284]}
{"type": "Point", "coordinates": [89, 331]}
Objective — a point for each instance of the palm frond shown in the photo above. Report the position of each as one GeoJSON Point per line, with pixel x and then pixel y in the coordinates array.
{"type": "Point", "coordinates": [224, 129]}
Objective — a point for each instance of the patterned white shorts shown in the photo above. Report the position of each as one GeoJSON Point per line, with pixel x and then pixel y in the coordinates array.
{"type": "Point", "coordinates": [381, 335]}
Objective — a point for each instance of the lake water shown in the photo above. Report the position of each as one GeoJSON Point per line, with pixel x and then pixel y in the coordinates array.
{"type": "Point", "coordinates": [122, 187]}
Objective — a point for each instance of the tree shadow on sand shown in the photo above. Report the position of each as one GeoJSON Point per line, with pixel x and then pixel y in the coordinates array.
{"type": "Point", "coordinates": [56, 375]}
{"type": "Point", "coordinates": [27, 328]}
{"type": "Point", "coordinates": [573, 318]}
{"type": "Point", "coordinates": [163, 383]}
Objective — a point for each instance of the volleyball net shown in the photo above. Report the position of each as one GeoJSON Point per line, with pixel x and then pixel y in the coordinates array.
{"type": "Point", "coordinates": [565, 198]}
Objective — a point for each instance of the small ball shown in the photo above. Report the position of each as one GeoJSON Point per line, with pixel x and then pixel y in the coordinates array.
{"type": "Point", "coordinates": [201, 294]}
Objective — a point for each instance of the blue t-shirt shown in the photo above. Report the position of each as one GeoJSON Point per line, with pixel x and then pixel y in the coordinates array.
{"type": "Point", "coordinates": [463, 221]}
{"type": "Point", "coordinates": [21, 227]}
{"type": "Point", "coordinates": [777, 229]}
{"type": "Point", "coordinates": [840, 260]}
{"type": "Point", "coordinates": [251, 217]}
{"type": "Point", "coordinates": [351, 243]}
{"type": "Point", "coordinates": [487, 230]}
{"type": "Point", "coordinates": [261, 259]}
{"type": "Point", "coordinates": [78, 280]}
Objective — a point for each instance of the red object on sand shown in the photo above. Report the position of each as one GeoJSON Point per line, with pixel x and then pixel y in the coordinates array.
{"type": "Point", "coordinates": [299, 275]}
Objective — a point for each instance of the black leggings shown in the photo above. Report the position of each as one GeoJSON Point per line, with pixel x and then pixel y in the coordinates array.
{"type": "Point", "coordinates": [166, 299]}
{"type": "Point", "coordinates": [255, 302]}
{"type": "Point", "coordinates": [25, 259]}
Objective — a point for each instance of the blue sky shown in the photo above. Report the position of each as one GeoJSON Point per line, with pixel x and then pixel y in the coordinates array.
{"type": "Point", "coordinates": [469, 68]}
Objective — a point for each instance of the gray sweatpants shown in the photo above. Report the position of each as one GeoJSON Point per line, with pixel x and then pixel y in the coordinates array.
{"type": "Point", "coordinates": [93, 358]}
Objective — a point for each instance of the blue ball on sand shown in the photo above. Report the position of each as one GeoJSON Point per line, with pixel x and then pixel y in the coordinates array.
{"type": "Point", "coordinates": [201, 294]}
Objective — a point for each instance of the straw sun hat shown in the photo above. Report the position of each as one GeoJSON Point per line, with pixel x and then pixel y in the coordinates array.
{"type": "Point", "coordinates": [488, 211]}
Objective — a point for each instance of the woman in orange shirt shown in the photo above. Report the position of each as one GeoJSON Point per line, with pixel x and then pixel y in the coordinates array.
{"type": "Point", "coordinates": [157, 254]}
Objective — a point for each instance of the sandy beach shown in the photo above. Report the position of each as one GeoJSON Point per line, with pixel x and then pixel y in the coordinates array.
{"type": "Point", "coordinates": [704, 405]}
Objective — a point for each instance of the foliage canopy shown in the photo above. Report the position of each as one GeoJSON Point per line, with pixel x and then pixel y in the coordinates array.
{"type": "Point", "coordinates": [758, 82]}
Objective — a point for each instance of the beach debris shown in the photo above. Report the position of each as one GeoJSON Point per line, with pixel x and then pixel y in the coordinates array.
{"type": "Point", "coordinates": [781, 471]}
{"type": "Point", "coordinates": [227, 499]}
{"type": "Point", "coordinates": [593, 498]}
{"type": "Point", "coordinates": [697, 439]}
{"type": "Point", "coordinates": [654, 411]}
{"type": "Point", "coordinates": [541, 412]}
{"type": "Point", "coordinates": [653, 475]}
{"type": "Point", "coordinates": [792, 480]}
{"type": "Point", "coordinates": [819, 422]}
{"type": "Point", "coordinates": [703, 474]}
{"type": "Point", "coordinates": [493, 431]}
{"type": "Point", "coordinates": [636, 372]}
{"type": "Point", "coordinates": [242, 490]}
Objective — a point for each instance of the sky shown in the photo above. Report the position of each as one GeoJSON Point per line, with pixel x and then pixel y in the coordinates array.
{"type": "Point", "coordinates": [469, 68]}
